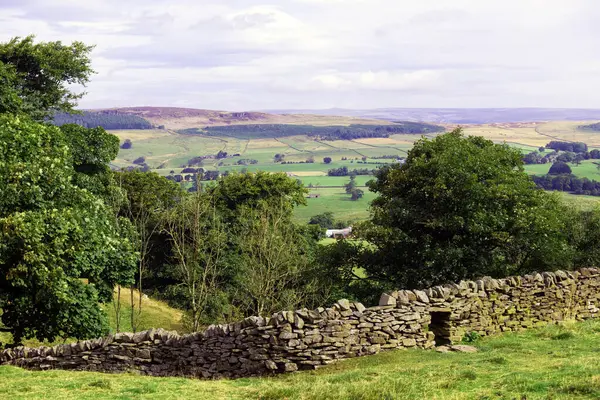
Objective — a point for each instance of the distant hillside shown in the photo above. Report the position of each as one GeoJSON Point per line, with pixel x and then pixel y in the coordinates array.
{"type": "Point", "coordinates": [462, 115]}
{"type": "Point", "coordinates": [350, 132]}
{"type": "Point", "coordinates": [107, 119]}
{"type": "Point", "coordinates": [175, 118]}
{"type": "Point", "coordinates": [591, 127]}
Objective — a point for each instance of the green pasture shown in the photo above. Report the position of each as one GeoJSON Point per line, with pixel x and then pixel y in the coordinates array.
{"type": "Point", "coordinates": [338, 202]}
{"type": "Point", "coordinates": [587, 169]}
{"type": "Point", "coordinates": [585, 203]}
{"type": "Point", "coordinates": [558, 362]}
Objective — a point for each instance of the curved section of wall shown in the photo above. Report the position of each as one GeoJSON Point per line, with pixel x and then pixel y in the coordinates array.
{"type": "Point", "coordinates": [306, 339]}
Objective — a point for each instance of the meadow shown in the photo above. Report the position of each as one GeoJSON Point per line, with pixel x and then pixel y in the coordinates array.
{"type": "Point", "coordinates": [556, 362]}
{"type": "Point", "coordinates": [168, 150]}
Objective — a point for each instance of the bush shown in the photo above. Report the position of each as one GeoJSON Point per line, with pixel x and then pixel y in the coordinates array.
{"type": "Point", "coordinates": [559, 168]}
{"type": "Point", "coordinates": [140, 160]}
{"type": "Point", "coordinates": [126, 144]}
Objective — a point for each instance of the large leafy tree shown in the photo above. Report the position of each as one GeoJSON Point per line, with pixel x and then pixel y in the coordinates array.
{"type": "Point", "coordinates": [35, 77]}
{"type": "Point", "coordinates": [260, 189]}
{"type": "Point", "coordinates": [460, 207]}
{"type": "Point", "coordinates": [61, 248]}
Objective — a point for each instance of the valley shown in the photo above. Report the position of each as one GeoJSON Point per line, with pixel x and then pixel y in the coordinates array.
{"type": "Point", "coordinates": [167, 151]}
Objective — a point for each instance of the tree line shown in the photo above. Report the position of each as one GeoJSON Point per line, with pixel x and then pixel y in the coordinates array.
{"type": "Point", "coordinates": [344, 171]}
{"type": "Point", "coordinates": [568, 183]}
{"type": "Point", "coordinates": [354, 131]}
{"type": "Point", "coordinates": [571, 152]}
{"type": "Point", "coordinates": [107, 119]}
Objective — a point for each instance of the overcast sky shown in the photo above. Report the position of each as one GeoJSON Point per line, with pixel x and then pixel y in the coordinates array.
{"type": "Point", "coordinates": [250, 55]}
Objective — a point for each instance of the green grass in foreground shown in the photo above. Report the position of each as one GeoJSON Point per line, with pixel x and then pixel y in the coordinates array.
{"type": "Point", "coordinates": [556, 362]}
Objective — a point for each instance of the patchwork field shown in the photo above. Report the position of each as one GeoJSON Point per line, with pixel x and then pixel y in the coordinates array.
{"type": "Point", "coordinates": [558, 362]}
{"type": "Point", "coordinates": [166, 150]}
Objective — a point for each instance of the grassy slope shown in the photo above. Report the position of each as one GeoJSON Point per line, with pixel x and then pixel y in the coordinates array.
{"type": "Point", "coordinates": [155, 314]}
{"type": "Point", "coordinates": [556, 362]}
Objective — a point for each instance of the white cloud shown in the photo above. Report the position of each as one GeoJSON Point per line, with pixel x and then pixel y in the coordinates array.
{"type": "Point", "coordinates": [246, 54]}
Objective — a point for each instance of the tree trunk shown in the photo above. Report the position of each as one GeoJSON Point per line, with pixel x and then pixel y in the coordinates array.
{"type": "Point", "coordinates": [118, 309]}
{"type": "Point", "coordinates": [132, 310]}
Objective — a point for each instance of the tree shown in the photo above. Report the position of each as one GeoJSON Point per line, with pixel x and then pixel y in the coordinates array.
{"type": "Point", "coordinates": [149, 197]}
{"type": "Point", "coordinates": [542, 149]}
{"type": "Point", "coordinates": [279, 157]}
{"type": "Point", "coordinates": [92, 150]}
{"type": "Point", "coordinates": [260, 189]}
{"type": "Point", "coordinates": [460, 208]}
{"type": "Point", "coordinates": [61, 248]}
{"type": "Point", "coordinates": [278, 270]}
{"type": "Point", "coordinates": [127, 144]}
{"type": "Point", "coordinates": [559, 167]}
{"type": "Point", "coordinates": [35, 77]}
{"type": "Point", "coordinates": [327, 160]}
{"type": "Point", "coordinates": [324, 220]}
{"type": "Point", "coordinates": [356, 194]}
{"type": "Point", "coordinates": [199, 241]}
{"type": "Point", "coordinates": [351, 185]}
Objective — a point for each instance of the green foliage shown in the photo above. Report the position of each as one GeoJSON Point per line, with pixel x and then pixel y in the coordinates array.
{"type": "Point", "coordinates": [35, 77]}
{"type": "Point", "coordinates": [459, 208]}
{"type": "Point", "coordinates": [471, 337]}
{"type": "Point", "coordinates": [559, 168]}
{"type": "Point", "coordinates": [53, 235]}
{"type": "Point", "coordinates": [260, 189]}
{"type": "Point", "coordinates": [199, 241]}
{"type": "Point", "coordinates": [277, 269]}
{"type": "Point", "coordinates": [91, 152]}
{"type": "Point", "coordinates": [356, 194]}
{"type": "Point", "coordinates": [351, 185]}
{"type": "Point", "coordinates": [324, 220]}
{"type": "Point", "coordinates": [107, 119]}
{"type": "Point", "coordinates": [355, 131]}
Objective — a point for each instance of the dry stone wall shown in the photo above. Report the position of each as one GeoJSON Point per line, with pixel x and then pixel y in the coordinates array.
{"type": "Point", "coordinates": [305, 339]}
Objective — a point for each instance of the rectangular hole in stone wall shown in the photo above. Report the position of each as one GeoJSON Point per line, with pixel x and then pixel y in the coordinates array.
{"type": "Point", "coordinates": [440, 326]}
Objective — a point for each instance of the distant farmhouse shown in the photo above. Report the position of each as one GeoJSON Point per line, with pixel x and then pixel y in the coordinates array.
{"type": "Point", "coordinates": [313, 196]}
{"type": "Point", "coordinates": [339, 233]}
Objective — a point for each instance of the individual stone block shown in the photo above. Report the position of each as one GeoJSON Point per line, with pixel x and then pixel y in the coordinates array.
{"type": "Point", "coordinates": [387, 300]}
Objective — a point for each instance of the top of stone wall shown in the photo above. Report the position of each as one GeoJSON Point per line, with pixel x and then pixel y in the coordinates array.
{"type": "Point", "coordinates": [481, 286]}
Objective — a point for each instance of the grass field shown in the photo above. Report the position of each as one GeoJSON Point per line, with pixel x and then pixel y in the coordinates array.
{"type": "Point", "coordinates": [587, 169]}
{"type": "Point", "coordinates": [558, 362]}
{"type": "Point", "coordinates": [338, 202]}
{"type": "Point", "coordinates": [170, 150]}
{"type": "Point", "coordinates": [582, 202]}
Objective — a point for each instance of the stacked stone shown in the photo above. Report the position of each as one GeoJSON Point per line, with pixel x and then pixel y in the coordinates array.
{"type": "Point", "coordinates": [306, 339]}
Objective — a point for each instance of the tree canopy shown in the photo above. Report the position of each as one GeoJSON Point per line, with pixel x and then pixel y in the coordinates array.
{"type": "Point", "coordinates": [559, 167]}
{"type": "Point", "coordinates": [460, 207]}
{"type": "Point", "coordinates": [35, 77]}
{"type": "Point", "coordinates": [61, 249]}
